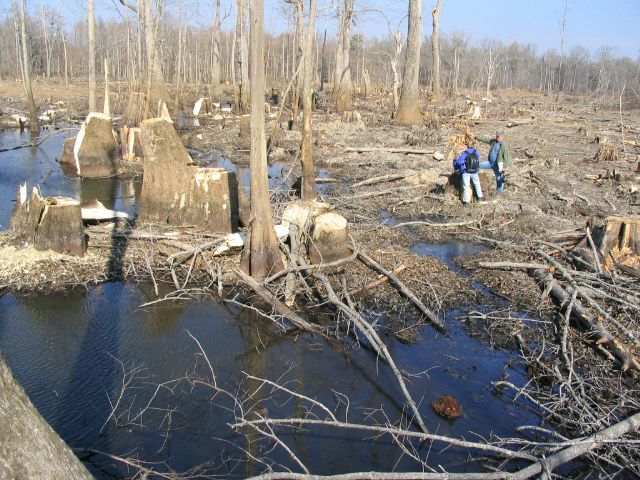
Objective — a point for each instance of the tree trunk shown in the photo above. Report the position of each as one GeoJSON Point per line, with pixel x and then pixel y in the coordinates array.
{"type": "Point", "coordinates": [107, 104]}
{"type": "Point", "coordinates": [409, 107]}
{"type": "Point", "coordinates": [342, 76]}
{"type": "Point", "coordinates": [215, 60]}
{"type": "Point", "coordinates": [299, 47]}
{"type": "Point", "coordinates": [261, 256]}
{"type": "Point", "coordinates": [435, 45]}
{"type": "Point", "coordinates": [243, 59]}
{"type": "Point", "coordinates": [29, 447]}
{"type": "Point", "coordinates": [26, 75]}
{"type": "Point", "coordinates": [308, 170]}
{"type": "Point", "coordinates": [91, 20]}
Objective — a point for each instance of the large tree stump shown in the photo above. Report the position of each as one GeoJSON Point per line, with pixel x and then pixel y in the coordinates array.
{"type": "Point", "coordinates": [29, 447]}
{"type": "Point", "coordinates": [95, 150]}
{"type": "Point", "coordinates": [176, 192]}
{"type": "Point", "coordinates": [53, 223]}
{"type": "Point", "coordinates": [487, 183]}
{"type": "Point", "coordinates": [620, 232]}
{"type": "Point", "coordinates": [60, 228]}
{"type": "Point", "coordinates": [329, 241]}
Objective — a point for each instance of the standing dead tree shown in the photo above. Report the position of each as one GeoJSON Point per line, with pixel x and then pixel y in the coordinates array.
{"type": "Point", "coordinates": [91, 21]}
{"type": "Point", "coordinates": [155, 85]}
{"type": "Point", "coordinates": [409, 106]}
{"type": "Point", "coordinates": [26, 69]}
{"type": "Point", "coordinates": [342, 87]}
{"type": "Point", "coordinates": [435, 48]}
{"type": "Point", "coordinates": [306, 157]}
{"type": "Point", "coordinates": [261, 255]}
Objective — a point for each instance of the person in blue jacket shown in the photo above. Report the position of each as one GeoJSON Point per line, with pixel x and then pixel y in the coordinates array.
{"type": "Point", "coordinates": [467, 165]}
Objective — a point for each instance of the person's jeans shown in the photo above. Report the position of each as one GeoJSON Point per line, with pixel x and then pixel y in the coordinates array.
{"type": "Point", "coordinates": [499, 175]}
{"type": "Point", "coordinates": [467, 178]}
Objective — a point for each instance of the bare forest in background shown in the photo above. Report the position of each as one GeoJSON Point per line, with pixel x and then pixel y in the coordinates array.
{"type": "Point", "coordinates": [59, 49]}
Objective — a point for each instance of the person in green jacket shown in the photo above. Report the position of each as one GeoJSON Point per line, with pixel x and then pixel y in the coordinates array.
{"type": "Point", "coordinates": [499, 156]}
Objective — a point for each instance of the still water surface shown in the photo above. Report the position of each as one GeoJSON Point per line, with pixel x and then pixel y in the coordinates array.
{"type": "Point", "coordinates": [69, 351]}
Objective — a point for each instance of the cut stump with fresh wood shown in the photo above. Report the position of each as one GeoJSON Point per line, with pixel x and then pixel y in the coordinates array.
{"type": "Point", "coordinates": [329, 241]}
{"type": "Point", "coordinates": [176, 192]}
{"type": "Point", "coordinates": [53, 223]}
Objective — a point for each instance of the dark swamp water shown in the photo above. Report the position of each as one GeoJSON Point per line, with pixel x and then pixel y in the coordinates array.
{"type": "Point", "coordinates": [69, 351]}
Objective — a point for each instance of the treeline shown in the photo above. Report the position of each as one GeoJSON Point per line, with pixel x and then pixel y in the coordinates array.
{"type": "Point", "coordinates": [186, 58]}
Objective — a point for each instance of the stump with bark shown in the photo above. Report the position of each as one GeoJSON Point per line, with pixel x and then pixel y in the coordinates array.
{"type": "Point", "coordinates": [176, 192]}
{"type": "Point", "coordinates": [95, 150]}
{"type": "Point", "coordinates": [53, 223]}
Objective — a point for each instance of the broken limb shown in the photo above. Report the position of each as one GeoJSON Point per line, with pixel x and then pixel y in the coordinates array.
{"type": "Point", "coordinates": [280, 307]}
{"type": "Point", "coordinates": [370, 262]}
{"type": "Point", "coordinates": [374, 339]}
{"type": "Point", "coordinates": [413, 151]}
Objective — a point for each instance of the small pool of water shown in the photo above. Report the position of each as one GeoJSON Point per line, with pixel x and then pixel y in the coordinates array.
{"type": "Point", "coordinates": [69, 351]}
{"type": "Point", "coordinates": [39, 166]}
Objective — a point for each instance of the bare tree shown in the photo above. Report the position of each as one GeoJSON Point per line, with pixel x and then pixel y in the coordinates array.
{"type": "Point", "coordinates": [242, 58]}
{"type": "Point", "coordinates": [308, 170]}
{"type": "Point", "coordinates": [91, 21]}
{"type": "Point", "coordinates": [435, 48]}
{"type": "Point", "coordinates": [409, 106]}
{"type": "Point", "coordinates": [562, 30]}
{"type": "Point", "coordinates": [493, 59]}
{"type": "Point", "coordinates": [342, 87]}
{"type": "Point", "coordinates": [215, 47]}
{"type": "Point", "coordinates": [26, 72]}
{"type": "Point", "coordinates": [156, 88]}
{"type": "Point", "coordinates": [261, 256]}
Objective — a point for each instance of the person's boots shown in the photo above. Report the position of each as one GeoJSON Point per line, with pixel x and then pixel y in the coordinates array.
{"type": "Point", "coordinates": [482, 200]}
{"type": "Point", "coordinates": [466, 204]}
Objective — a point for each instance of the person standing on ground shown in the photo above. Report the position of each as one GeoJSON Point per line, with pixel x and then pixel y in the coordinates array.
{"type": "Point", "coordinates": [499, 156]}
{"type": "Point", "coordinates": [467, 165]}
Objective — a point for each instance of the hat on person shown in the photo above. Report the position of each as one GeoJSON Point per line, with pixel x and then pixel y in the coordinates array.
{"type": "Point", "coordinates": [499, 132]}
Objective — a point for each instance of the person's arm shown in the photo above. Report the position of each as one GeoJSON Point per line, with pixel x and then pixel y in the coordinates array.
{"type": "Point", "coordinates": [459, 161]}
{"type": "Point", "coordinates": [484, 138]}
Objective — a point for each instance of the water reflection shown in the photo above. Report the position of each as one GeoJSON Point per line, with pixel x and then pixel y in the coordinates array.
{"type": "Point", "coordinates": [62, 349]}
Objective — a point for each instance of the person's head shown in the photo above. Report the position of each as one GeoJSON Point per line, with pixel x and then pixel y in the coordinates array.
{"type": "Point", "coordinates": [499, 135]}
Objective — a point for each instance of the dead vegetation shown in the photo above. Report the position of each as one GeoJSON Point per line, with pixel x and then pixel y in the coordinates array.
{"type": "Point", "coordinates": [579, 338]}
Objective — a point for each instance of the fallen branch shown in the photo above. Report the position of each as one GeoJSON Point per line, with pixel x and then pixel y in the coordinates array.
{"type": "Point", "coordinates": [381, 279]}
{"type": "Point", "coordinates": [374, 339]}
{"type": "Point", "coordinates": [438, 225]}
{"type": "Point", "coordinates": [413, 151]}
{"type": "Point", "coordinates": [280, 307]}
{"type": "Point", "coordinates": [587, 322]}
{"type": "Point", "coordinates": [390, 177]}
{"type": "Point", "coordinates": [403, 289]}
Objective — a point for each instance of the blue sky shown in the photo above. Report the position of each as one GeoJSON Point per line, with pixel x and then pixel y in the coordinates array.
{"type": "Point", "coordinates": [590, 23]}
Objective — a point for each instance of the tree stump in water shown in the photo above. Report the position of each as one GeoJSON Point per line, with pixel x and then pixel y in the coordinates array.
{"type": "Point", "coordinates": [176, 192]}
{"type": "Point", "coordinates": [329, 241]}
{"type": "Point", "coordinates": [53, 223]}
{"type": "Point", "coordinates": [95, 150]}
{"type": "Point", "coordinates": [26, 215]}
{"type": "Point", "coordinates": [67, 156]}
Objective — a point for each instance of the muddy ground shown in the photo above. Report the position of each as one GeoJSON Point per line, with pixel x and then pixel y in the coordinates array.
{"type": "Point", "coordinates": [557, 186]}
